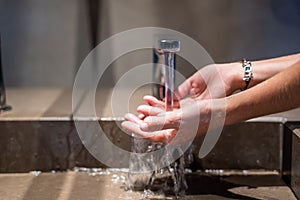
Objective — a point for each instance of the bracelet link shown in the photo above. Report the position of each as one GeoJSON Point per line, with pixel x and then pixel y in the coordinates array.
{"type": "Point", "coordinates": [248, 72]}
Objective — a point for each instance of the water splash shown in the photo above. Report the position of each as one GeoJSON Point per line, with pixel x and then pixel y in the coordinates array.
{"type": "Point", "coordinates": [35, 173]}
{"type": "Point", "coordinates": [148, 194]}
{"type": "Point", "coordinates": [141, 177]}
{"type": "Point", "coordinates": [140, 168]}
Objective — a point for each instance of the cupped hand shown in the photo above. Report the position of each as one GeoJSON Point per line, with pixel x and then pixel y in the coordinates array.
{"type": "Point", "coordinates": [212, 81]}
{"type": "Point", "coordinates": [177, 126]}
{"type": "Point", "coordinates": [139, 124]}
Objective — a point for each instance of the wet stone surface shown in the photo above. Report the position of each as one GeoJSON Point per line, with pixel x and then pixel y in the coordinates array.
{"type": "Point", "coordinates": [110, 185]}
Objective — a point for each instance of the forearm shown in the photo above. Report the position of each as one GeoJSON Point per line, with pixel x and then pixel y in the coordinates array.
{"type": "Point", "coordinates": [262, 70]}
{"type": "Point", "coordinates": [279, 93]}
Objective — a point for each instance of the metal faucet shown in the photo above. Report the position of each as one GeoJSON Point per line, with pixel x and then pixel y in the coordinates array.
{"type": "Point", "coordinates": [3, 106]}
{"type": "Point", "coordinates": [164, 71]}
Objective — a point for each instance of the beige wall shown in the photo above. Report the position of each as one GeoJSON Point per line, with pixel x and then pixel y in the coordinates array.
{"type": "Point", "coordinates": [44, 42]}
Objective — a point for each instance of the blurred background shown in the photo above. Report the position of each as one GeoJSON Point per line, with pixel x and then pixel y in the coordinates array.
{"type": "Point", "coordinates": [44, 42]}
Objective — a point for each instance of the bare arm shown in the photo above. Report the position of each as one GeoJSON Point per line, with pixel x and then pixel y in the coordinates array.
{"type": "Point", "coordinates": [264, 69]}
{"type": "Point", "coordinates": [279, 93]}
{"type": "Point", "coordinates": [231, 75]}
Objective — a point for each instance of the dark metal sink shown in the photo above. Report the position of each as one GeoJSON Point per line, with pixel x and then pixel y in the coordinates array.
{"type": "Point", "coordinates": [251, 160]}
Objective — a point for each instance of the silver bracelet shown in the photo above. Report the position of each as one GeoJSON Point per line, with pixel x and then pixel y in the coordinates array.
{"type": "Point", "coordinates": [248, 72]}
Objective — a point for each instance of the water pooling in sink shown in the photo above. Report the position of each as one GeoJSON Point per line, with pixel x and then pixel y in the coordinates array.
{"type": "Point", "coordinates": [109, 183]}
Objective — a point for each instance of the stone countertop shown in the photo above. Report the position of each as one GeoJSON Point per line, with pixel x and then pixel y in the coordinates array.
{"type": "Point", "coordinates": [110, 185]}
{"type": "Point", "coordinates": [56, 104]}
{"type": "Point", "coordinates": [32, 104]}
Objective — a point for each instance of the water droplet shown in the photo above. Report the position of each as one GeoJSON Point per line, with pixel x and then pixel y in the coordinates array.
{"type": "Point", "coordinates": [35, 173]}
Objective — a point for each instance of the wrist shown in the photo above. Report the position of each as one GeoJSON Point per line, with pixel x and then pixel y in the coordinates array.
{"type": "Point", "coordinates": [230, 109]}
{"type": "Point", "coordinates": [234, 74]}
{"type": "Point", "coordinates": [240, 107]}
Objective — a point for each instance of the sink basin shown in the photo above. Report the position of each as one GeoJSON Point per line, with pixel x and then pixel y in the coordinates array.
{"type": "Point", "coordinates": [256, 159]}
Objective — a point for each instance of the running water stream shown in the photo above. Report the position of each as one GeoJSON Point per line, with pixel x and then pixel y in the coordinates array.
{"type": "Point", "coordinates": [145, 168]}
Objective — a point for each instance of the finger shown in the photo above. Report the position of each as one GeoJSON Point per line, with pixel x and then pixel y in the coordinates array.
{"type": "Point", "coordinates": [164, 136]}
{"type": "Point", "coordinates": [195, 81]}
{"type": "Point", "coordinates": [149, 110]}
{"type": "Point", "coordinates": [157, 103]}
{"type": "Point", "coordinates": [151, 124]}
{"type": "Point", "coordinates": [195, 92]}
{"type": "Point", "coordinates": [133, 128]}
{"type": "Point", "coordinates": [176, 103]}
{"type": "Point", "coordinates": [152, 101]}
{"type": "Point", "coordinates": [131, 117]}
{"type": "Point", "coordinates": [158, 136]}
{"type": "Point", "coordinates": [156, 123]}
{"type": "Point", "coordinates": [130, 126]}
{"type": "Point", "coordinates": [161, 104]}
{"type": "Point", "coordinates": [183, 90]}
{"type": "Point", "coordinates": [141, 116]}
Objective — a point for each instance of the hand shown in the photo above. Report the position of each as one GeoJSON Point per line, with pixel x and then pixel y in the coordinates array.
{"type": "Point", "coordinates": [212, 81]}
{"type": "Point", "coordinates": [134, 123]}
{"type": "Point", "coordinates": [177, 126]}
